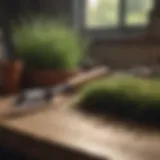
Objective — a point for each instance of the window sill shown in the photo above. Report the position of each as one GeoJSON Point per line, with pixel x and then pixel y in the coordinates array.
{"type": "Point", "coordinates": [136, 37]}
{"type": "Point", "coordinates": [111, 34]}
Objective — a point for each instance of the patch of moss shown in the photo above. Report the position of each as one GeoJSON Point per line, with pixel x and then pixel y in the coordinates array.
{"type": "Point", "coordinates": [125, 96]}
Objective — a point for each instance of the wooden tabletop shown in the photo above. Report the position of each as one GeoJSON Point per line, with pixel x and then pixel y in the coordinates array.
{"type": "Point", "coordinates": [58, 131]}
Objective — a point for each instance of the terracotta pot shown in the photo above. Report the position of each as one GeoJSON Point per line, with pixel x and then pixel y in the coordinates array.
{"type": "Point", "coordinates": [48, 77]}
{"type": "Point", "coordinates": [11, 75]}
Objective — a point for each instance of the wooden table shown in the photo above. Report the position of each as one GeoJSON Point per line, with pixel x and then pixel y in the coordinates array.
{"type": "Point", "coordinates": [58, 132]}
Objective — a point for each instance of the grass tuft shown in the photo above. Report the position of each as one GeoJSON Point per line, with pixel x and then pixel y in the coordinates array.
{"type": "Point", "coordinates": [43, 43]}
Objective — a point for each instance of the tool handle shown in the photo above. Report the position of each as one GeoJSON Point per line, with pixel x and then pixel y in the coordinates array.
{"type": "Point", "coordinates": [88, 76]}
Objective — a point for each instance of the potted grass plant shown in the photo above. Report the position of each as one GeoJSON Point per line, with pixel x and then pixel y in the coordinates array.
{"type": "Point", "coordinates": [50, 50]}
{"type": "Point", "coordinates": [123, 96]}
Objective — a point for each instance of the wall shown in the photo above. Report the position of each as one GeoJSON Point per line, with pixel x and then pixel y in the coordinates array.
{"type": "Point", "coordinates": [54, 8]}
{"type": "Point", "coordinates": [127, 53]}
{"type": "Point", "coordinates": [122, 55]}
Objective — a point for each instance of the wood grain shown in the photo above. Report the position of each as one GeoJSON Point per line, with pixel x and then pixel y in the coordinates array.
{"type": "Point", "coordinates": [58, 131]}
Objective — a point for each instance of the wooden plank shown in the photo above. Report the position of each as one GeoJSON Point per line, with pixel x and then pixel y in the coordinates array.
{"type": "Point", "coordinates": [61, 132]}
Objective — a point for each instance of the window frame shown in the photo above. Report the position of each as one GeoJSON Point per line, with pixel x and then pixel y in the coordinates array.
{"type": "Point", "coordinates": [121, 31]}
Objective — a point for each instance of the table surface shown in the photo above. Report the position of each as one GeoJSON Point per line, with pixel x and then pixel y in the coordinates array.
{"type": "Point", "coordinates": [57, 129]}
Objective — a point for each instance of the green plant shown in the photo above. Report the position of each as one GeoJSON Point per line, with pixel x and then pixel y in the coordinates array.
{"type": "Point", "coordinates": [125, 96]}
{"type": "Point", "coordinates": [45, 44]}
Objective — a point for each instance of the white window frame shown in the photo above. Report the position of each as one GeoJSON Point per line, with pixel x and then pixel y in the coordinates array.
{"type": "Point", "coordinates": [121, 31]}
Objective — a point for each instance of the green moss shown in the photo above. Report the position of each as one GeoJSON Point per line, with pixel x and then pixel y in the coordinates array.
{"type": "Point", "coordinates": [48, 44]}
{"type": "Point", "coordinates": [125, 96]}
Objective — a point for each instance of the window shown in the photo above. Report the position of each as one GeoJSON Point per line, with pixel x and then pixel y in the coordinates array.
{"type": "Point", "coordinates": [116, 15]}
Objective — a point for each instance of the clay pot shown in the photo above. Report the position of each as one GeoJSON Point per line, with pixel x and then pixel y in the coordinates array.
{"type": "Point", "coordinates": [11, 75]}
{"type": "Point", "coordinates": [48, 77]}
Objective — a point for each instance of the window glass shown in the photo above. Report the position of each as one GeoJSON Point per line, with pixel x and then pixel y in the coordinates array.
{"type": "Point", "coordinates": [137, 12]}
{"type": "Point", "coordinates": [101, 13]}
{"type": "Point", "coordinates": [106, 13]}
